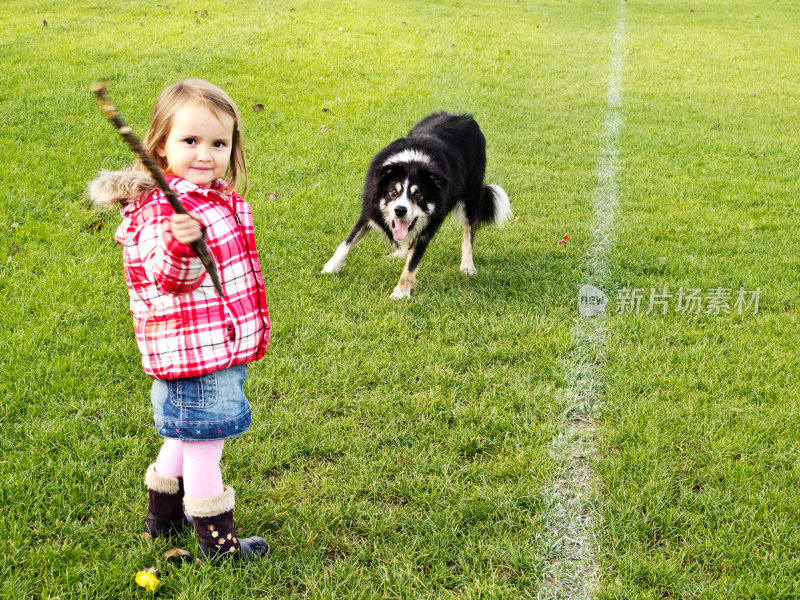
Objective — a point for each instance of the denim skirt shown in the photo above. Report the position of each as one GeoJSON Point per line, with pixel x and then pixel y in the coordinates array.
{"type": "Point", "coordinates": [209, 407]}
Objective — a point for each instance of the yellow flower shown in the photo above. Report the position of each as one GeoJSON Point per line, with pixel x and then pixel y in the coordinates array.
{"type": "Point", "coordinates": [147, 580]}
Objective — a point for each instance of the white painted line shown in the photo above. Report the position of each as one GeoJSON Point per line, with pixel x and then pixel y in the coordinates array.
{"type": "Point", "coordinates": [572, 559]}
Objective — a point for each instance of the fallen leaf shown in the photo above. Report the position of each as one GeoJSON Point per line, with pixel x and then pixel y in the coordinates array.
{"type": "Point", "coordinates": [272, 196]}
{"type": "Point", "coordinates": [258, 107]}
{"type": "Point", "coordinates": [177, 555]}
{"type": "Point", "coordinates": [95, 226]}
{"type": "Point", "coordinates": [323, 129]}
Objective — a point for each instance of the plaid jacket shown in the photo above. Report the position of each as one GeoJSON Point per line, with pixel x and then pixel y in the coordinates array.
{"type": "Point", "coordinates": [183, 329]}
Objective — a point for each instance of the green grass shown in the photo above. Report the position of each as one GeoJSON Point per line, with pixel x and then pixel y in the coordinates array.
{"type": "Point", "coordinates": [401, 449]}
{"type": "Point", "coordinates": [699, 467]}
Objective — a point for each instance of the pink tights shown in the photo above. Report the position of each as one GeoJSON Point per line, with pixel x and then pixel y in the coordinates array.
{"type": "Point", "coordinates": [197, 462]}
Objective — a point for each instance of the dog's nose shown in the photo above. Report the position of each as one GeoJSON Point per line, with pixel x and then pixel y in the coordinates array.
{"type": "Point", "coordinates": [400, 211]}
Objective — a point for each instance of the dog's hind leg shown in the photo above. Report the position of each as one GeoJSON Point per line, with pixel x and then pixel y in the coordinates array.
{"type": "Point", "coordinates": [339, 258]}
{"type": "Point", "coordinates": [409, 276]}
{"type": "Point", "coordinates": [470, 227]}
{"type": "Point", "coordinates": [467, 265]}
{"type": "Point", "coordinates": [401, 252]}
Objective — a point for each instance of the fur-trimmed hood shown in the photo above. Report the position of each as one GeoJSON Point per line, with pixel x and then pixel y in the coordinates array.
{"type": "Point", "coordinates": [112, 189]}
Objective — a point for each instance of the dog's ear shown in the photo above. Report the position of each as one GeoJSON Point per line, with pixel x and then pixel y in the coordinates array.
{"type": "Point", "coordinates": [438, 180]}
{"type": "Point", "coordinates": [386, 173]}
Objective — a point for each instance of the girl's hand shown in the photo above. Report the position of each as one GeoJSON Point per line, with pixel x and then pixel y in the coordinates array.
{"type": "Point", "coordinates": [185, 228]}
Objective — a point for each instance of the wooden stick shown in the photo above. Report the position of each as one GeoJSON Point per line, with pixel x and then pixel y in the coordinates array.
{"type": "Point", "coordinates": [199, 246]}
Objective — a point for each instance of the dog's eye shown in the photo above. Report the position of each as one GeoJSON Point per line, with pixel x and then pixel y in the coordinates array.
{"type": "Point", "coordinates": [394, 193]}
{"type": "Point", "coordinates": [417, 196]}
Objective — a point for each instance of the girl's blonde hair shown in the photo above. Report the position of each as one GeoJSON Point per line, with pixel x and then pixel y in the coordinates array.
{"type": "Point", "coordinates": [197, 91]}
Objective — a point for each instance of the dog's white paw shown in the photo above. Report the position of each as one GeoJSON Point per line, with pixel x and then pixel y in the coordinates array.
{"type": "Point", "coordinates": [469, 270]}
{"type": "Point", "coordinates": [332, 266]}
{"type": "Point", "coordinates": [401, 253]}
{"type": "Point", "coordinates": [338, 260]}
{"type": "Point", "coordinates": [400, 293]}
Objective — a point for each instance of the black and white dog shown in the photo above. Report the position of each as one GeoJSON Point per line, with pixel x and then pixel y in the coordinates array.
{"type": "Point", "coordinates": [415, 182]}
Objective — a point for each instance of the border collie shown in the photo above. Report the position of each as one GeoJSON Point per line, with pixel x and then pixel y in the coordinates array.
{"type": "Point", "coordinates": [415, 182]}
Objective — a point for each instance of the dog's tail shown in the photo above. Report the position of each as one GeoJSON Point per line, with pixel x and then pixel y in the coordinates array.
{"type": "Point", "coordinates": [495, 205]}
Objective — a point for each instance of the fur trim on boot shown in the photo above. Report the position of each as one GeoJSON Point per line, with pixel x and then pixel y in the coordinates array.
{"type": "Point", "coordinates": [213, 522]}
{"type": "Point", "coordinates": [160, 483]}
{"type": "Point", "coordinates": [165, 514]}
{"type": "Point", "coordinates": [209, 507]}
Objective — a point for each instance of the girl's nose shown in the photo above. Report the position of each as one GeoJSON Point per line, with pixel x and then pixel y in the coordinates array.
{"type": "Point", "coordinates": [203, 152]}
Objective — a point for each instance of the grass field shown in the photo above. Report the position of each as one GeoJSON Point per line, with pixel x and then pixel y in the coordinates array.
{"type": "Point", "coordinates": [405, 449]}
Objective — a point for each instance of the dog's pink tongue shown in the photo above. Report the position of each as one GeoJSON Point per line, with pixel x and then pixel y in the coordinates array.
{"type": "Point", "coordinates": [400, 230]}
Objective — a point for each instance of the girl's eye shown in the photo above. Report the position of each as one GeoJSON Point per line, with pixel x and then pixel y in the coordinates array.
{"type": "Point", "coordinates": [219, 144]}
{"type": "Point", "coordinates": [189, 141]}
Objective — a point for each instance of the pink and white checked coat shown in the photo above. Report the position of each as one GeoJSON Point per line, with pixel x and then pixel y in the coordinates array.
{"type": "Point", "coordinates": [183, 328]}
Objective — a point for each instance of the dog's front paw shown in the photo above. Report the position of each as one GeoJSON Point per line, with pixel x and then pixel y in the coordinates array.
{"type": "Point", "coordinates": [335, 264]}
{"type": "Point", "coordinates": [338, 260]}
{"type": "Point", "coordinates": [400, 292]}
{"type": "Point", "coordinates": [332, 267]}
{"type": "Point", "coordinates": [469, 270]}
{"type": "Point", "coordinates": [400, 253]}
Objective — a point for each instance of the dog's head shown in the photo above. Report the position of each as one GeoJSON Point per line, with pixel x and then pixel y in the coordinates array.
{"type": "Point", "coordinates": [410, 191]}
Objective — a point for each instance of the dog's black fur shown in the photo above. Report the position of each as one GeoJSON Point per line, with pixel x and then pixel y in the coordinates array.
{"type": "Point", "coordinates": [416, 181]}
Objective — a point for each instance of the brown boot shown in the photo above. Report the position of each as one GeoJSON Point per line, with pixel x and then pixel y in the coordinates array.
{"type": "Point", "coordinates": [213, 522]}
{"type": "Point", "coordinates": [165, 514]}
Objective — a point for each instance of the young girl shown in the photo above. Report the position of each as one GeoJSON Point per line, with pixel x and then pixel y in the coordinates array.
{"type": "Point", "coordinates": [194, 344]}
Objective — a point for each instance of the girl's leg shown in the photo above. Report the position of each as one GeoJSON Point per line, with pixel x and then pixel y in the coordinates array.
{"type": "Point", "coordinates": [170, 458]}
{"type": "Point", "coordinates": [164, 483]}
{"type": "Point", "coordinates": [202, 477]}
{"type": "Point", "coordinates": [211, 505]}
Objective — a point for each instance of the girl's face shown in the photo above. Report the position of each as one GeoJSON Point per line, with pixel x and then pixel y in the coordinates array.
{"type": "Point", "coordinates": [198, 147]}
